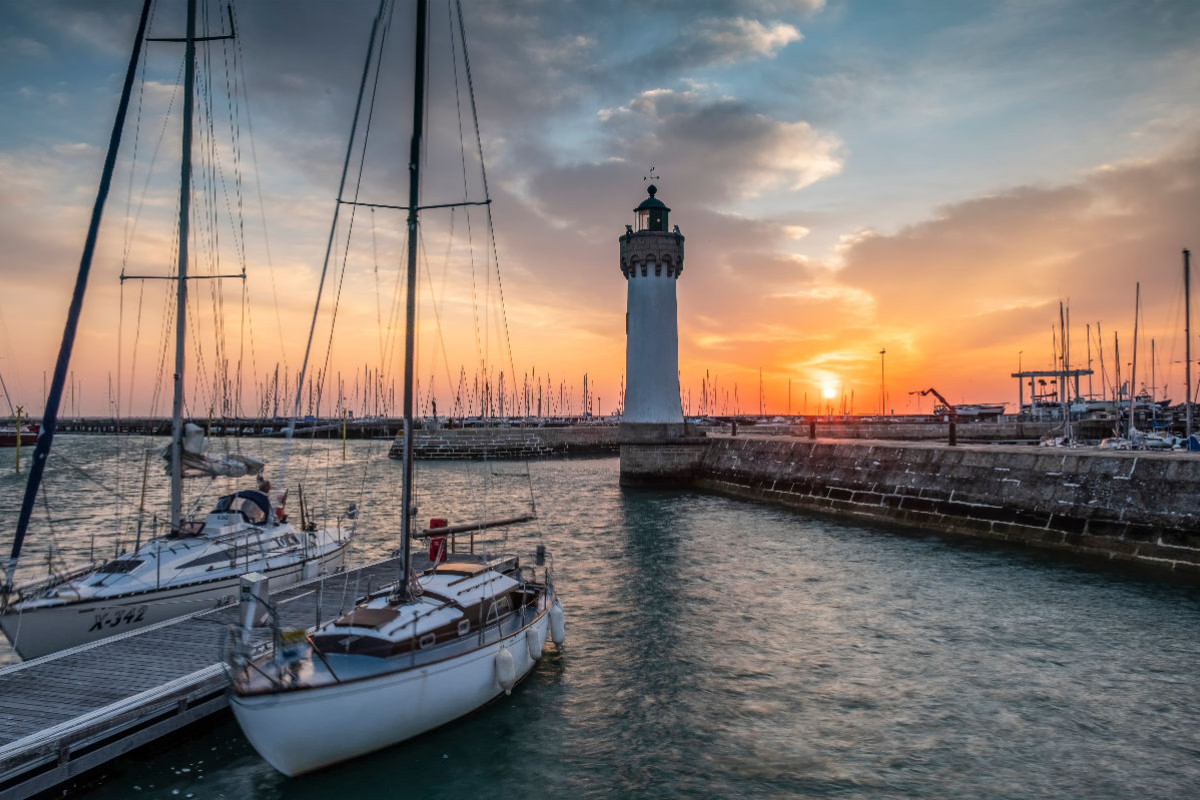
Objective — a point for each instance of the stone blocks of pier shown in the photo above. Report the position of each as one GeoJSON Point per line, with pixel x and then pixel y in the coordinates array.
{"type": "Point", "coordinates": [509, 442]}
{"type": "Point", "coordinates": [1009, 430]}
{"type": "Point", "coordinates": [660, 455]}
{"type": "Point", "coordinates": [1141, 508]}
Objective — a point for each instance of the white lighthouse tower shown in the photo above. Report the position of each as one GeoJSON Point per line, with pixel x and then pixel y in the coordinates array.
{"type": "Point", "coordinates": [651, 261]}
{"type": "Point", "coordinates": [652, 426]}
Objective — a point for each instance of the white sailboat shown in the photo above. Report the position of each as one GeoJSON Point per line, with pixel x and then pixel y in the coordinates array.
{"type": "Point", "coordinates": [415, 655]}
{"type": "Point", "coordinates": [196, 568]}
{"type": "Point", "coordinates": [197, 564]}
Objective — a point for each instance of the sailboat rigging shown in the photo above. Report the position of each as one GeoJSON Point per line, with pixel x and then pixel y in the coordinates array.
{"type": "Point", "coordinates": [412, 656]}
{"type": "Point", "coordinates": [197, 564]}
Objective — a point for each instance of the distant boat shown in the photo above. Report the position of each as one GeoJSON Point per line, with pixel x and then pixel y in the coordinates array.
{"type": "Point", "coordinates": [974, 412]}
{"type": "Point", "coordinates": [28, 433]}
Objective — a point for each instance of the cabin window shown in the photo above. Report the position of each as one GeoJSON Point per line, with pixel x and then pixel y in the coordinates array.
{"type": "Point", "coordinates": [251, 505]}
{"type": "Point", "coordinates": [428, 640]}
{"type": "Point", "coordinates": [463, 627]}
{"type": "Point", "coordinates": [499, 608]}
{"type": "Point", "coordinates": [121, 567]}
{"type": "Point", "coordinates": [219, 557]}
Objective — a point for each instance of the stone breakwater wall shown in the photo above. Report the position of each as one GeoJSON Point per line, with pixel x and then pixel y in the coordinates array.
{"type": "Point", "coordinates": [1141, 508]}
{"type": "Point", "coordinates": [931, 431]}
{"type": "Point", "coordinates": [474, 443]}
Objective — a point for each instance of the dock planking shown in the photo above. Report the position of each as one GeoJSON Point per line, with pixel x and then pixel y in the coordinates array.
{"type": "Point", "coordinates": [69, 712]}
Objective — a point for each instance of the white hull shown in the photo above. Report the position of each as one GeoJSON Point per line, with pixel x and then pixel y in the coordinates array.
{"type": "Point", "coordinates": [38, 631]}
{"type": "Point", "coordinates": [303, 730]}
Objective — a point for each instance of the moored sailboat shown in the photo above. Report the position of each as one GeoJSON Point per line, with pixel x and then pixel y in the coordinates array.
{"type": "Point", "coordinates": [196, 564]}
{"type": "Point", "coordinates": [430, 648]}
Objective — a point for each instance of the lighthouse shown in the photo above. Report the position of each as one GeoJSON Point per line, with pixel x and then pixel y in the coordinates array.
{"type": "Point", "coordinates": [655, 449]}
{"type": "Point", "coordinates": [651, 261]}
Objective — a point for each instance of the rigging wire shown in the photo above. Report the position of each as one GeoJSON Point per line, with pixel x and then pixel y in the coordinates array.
{"type": "Point", "coordinates": [463, 158]}
{"type": "Point", "coordinates": [333, 228]}
{"type": "Point", "coordinates": [495, 252]}
{"type": "Point", "coordinates": [357, 189]}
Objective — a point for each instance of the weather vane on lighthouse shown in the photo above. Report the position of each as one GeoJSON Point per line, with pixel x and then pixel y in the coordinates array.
{"type": "Point", "coordinates": [651, 176]}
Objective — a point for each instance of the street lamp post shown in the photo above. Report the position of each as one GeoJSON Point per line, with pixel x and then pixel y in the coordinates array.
{"type": "Point", "coordinates": [1021, 386]}
{"type": "Point", "coordinates": [882, 383]}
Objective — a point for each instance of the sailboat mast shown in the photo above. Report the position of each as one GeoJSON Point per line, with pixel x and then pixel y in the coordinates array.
{"type": "Point", "coordinates": [1187, 338]}
{"type": "Point", "coordinates": [1089, 356]}
{"type": "Point", "coordinates": [1063, 394]}
{"type": "Point", "coordinates": [1137, 303]}
{"type": "Point", "coordinates": [185, 196]}
{"type": "Point", "coordinates": [1153, 387]}
{"type": "Point", "coordinates": [53, 397]}
{"type": "Point", "coordinates": [1119, 387]}
{"type": "Point", "coordinates": [414, 194]}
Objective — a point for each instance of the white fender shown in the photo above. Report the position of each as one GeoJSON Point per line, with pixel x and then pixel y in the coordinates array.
{"type": "Point", "coordinates": [506, 670]}
{"type": "Point", "coordinates": [532, 643]}
{"type": "Point", "coordinates": [558, 623]}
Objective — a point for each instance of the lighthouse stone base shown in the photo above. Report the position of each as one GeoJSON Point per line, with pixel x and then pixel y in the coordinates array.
{"type": "Point", "coordinates": [660, 455]}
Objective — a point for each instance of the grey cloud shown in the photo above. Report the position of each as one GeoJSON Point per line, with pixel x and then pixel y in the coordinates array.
{"type": "Point", "coordinates": [728, 149]}
{"type": "Point", "coordinates": [722, 40]}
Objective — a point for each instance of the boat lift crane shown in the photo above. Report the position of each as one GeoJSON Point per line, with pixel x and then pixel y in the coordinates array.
{"type": "Point", "coordinates": [953, 412]}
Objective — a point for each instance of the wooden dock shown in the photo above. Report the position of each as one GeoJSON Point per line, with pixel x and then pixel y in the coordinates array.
{"type": "Point", "coordinates": [69, 712]}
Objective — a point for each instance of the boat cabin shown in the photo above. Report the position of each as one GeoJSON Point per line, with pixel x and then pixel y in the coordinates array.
{"type": "Point", "coordinates": [250, 506]}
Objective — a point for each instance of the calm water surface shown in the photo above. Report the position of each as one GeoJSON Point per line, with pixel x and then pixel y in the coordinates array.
{"type": "Point", "coordinates": [718, 648]}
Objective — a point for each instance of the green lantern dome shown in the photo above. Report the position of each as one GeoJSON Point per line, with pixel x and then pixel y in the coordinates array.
{"type": "Point", "coordinates": [652, 213]}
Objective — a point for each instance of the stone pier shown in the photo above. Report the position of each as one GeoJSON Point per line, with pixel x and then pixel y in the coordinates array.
{"type": "Point", "coordinates": [1134, 507]}
{"type": "Point", "coordinates": [509, 442]}
{"type": "Point", "coordinates": [664, 455]}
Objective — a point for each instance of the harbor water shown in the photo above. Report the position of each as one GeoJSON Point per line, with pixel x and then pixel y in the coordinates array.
{"type": "Point", "coordinates": [715, 648]}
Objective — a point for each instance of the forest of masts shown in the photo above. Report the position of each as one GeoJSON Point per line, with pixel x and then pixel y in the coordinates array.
{"type": "Point", "coordinates": [493, 394]}
{"type": "Point", "coordinates": [368, 393]}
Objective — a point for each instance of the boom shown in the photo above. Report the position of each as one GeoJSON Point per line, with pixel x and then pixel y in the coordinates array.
{"type": "Point", "coordinates": [949, 406]}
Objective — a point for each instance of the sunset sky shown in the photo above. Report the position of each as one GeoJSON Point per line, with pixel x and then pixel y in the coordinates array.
{"type": "Point", "coordinates": [932, 178]}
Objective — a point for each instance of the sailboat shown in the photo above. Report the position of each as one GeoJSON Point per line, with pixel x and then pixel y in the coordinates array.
{"type": "Point", "coordinates": [196, 564]}
{"type": "Point", "coordinates": [432, 647]}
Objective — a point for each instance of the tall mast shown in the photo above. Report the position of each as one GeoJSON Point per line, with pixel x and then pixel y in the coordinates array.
{"type": "Point", "coordinates": [185, 197]}
{"type": "Point", "coordinates": [1137, 302]}
{"type": "Point", "coordinates": [1062, 381]}
{"type": "Point", "coordinates": [1187, 338]}
{"type": "Point", "coordinates": [1118, 386]}
{"type": "Point", "coordinates": [1089, 354]}
{"type": "Point", "coordinates": [53, 398]}
{"type": "Point", "coordinates": [414, 195]}
{"type": "Point", "coordinates": [1153, 386]}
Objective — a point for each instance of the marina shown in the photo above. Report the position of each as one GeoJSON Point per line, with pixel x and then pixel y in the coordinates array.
{"type": "Point", "coordinates": [363, 523]}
